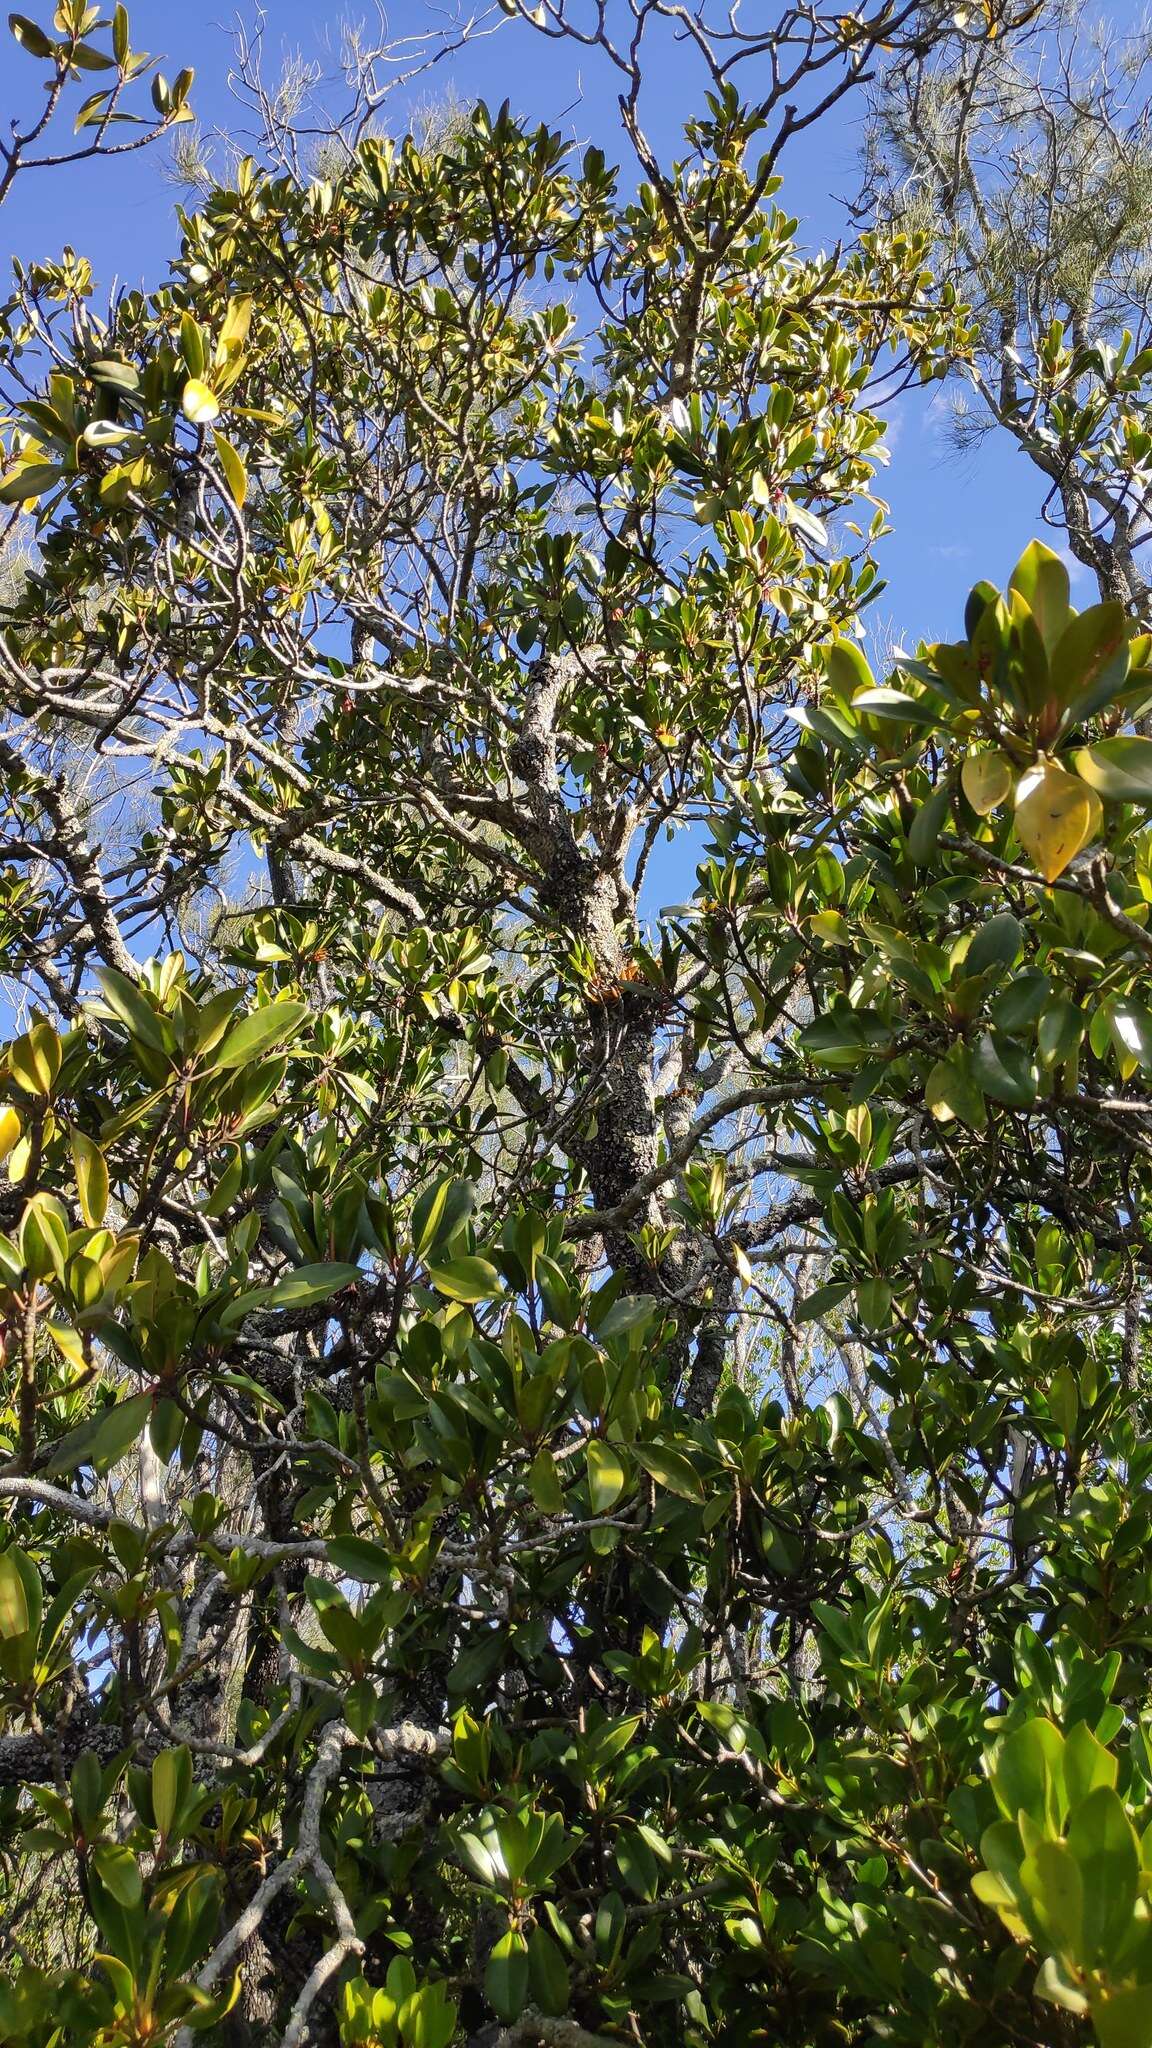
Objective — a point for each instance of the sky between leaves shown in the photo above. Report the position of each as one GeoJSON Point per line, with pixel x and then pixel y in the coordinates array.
{"type": "Point", "coordinates": [954, 518]}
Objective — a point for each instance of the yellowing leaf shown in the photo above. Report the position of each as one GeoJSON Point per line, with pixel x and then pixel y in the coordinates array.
{"type": "Point", "coordinates": [235, 474]}
{"type": "Point", "coordinates": [9, 1131]}
{"type": "Point", "coordinates": [951, 1094]}
{"type": "Point", "coordinates": [68, 1343]}
{"type": "Point", "coordinates": [13, 1599]}
{"type": "Point", "coordinates": [607, 1477]}
{"type": "Point", "coordinates": [234, 332]}
{"type": "Point", "coordinates": [1054, 817]}
{"type": "Point", "coordinates": [986, 780]}
{"type": "Point", "coordinates": [91, 1170]}
{"type": "Point", "coordinates": [831, 927]}
{"type": "Point", "coordinates": [34, 1060]}
{"type": "Point", "coordinates": [198, 403]}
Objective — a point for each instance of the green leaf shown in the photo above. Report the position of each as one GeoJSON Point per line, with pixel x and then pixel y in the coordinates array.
{"type": "Point", "coordinates": [1090, 660]}
{"type": "Point", "coordinates": [108, 434]}
{"type": "Point", "coordinates": [806, 522]}
{"type": "Point", "coordinates": [637, 1865]}
{"type": "Point", "coordinates": [927, 826]}
{"type": "Point", "coordinates": [1119, 770]}
{"type": "Point", "coordinates": [894, 706]}
{"type": "Point", "coordinates": [309, 1284]}
{"type": "Point", "coordinates": [227, 1187]}
{"type": "Point", "coordinates": [1005, 1070]}
{"type": "Point", "coordinates": [1060, 1030]}
{"type": "Point", "coordinates": [547, 1973]}
{"type": "Point", "coordinates": [506, 1976]}
{"type": "Point", "coordinates": [119, 1871]}
{"type": "Point", "coordinates": [466, 1279]}
{"type": "Point", "coordinates": [34, 1060]}
{"type": "Point", "coordinates": [192, 346]}
{"type": "Point", "coordinates": [428, 2018]}
{"type": "Point", "coordinates": [1130, 1029]}
{"type": "Point", "coordinates": [235, 328]}
{"type": "Point", "coordinates": [1087, 1764]}
{"type": "Point", "coordinates": [1042, 581]}
{"type": "Point", "coordinates": [438, 1213]}
{"type": "Point", "coordinates": [87, 58]}
{"type": "Point", "coordinates": [544, 1482]}
{"type": "Point", "coordinates": [171, 1786]}
{"type": "Point", "coordinates": [258, 1033]}
{"type": "Point", "coordinates": [1103, 1842]}
{"type": "Point", "coordinates": [670, 1469]}
{"type": "Point", "coordinates": [44, 1238]}
{"type": "Point", "coordinates": [103, 1438]}
{"type": "Point", "coordinates": [823, 1300]}
{"type": "Point", "coordinates": [628, 1312]}
{"type": "Point", "coordinates": [1051, 1880]}
{"type": "Point", "coordinates": [28, 480]}
{"type": "Point", "coordinates": [998, 943]}
{"type": "Point", "coordinates": [847, 669]}
{"type": "Point", "coordinates": [873, 1303]}
{"type": "Point", "coordinates": [1021, 1001]}
{"type": "Point", "coordinates": [482, 1858]}
{"type": "Point", "coordinates": [843, 1038]}
{"type": "Point", "coordinates": [354, 1557]}
{"type": "Point", "coordinates": [30, 37]}
{"type": "Point", "coordinates": [1124, 2020]}
{"type": "Point", "coordinates": [132, 1007]}
{"type": "Point", "coordinates": [607, 1475]}
{"type": "Point", "coordinates": [1027, 1773]}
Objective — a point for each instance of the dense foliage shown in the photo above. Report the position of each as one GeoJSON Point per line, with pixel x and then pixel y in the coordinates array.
{"type": "Point", "coordinates": [570, 1475]}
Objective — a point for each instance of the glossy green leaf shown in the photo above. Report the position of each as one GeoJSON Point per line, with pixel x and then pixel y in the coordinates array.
{"type": "Point", "coordinates": [1119, 770]}
{"type": "Point", "coordinates": [506, 1976]}
{"type": "Point", "coordinates": [1027, 1773]}
{"type": "Point", "coordinates": [670, 1469]}
{"type": "Point", "coordinates": [104, 1438]}
{"type": "Point", "coordinates": [132, 1007]}
{"type": "Point", "coordinates": [998, 943]}
{"type": "Point", "coordinates": [171, 1786]}
{"type": "Point", "coordinates": [1102, 1841]}
{"type": "Point", "coordinates": [466, 1279]}
{"type": "Point", "coordinates": [1090, 660]}
{"type": "Point", "coordinates": [1042, 580]}
{"type": "Point", "coordinates": [257, 1034]}
{"type": "Point", "coordinates": [309, 1284]}
{"type": "Point", "coordinates": [354, 1557]}
{"type": "Point", "coordinates": [1004, 1070]}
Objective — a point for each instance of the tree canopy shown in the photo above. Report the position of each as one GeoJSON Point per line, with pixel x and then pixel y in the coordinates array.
{"type": "Point", "coordinates": [572, 1473]}
{"type": "Point", "coordinates": [1028, 158]}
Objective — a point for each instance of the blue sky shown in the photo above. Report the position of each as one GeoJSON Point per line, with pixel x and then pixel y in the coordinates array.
{"type": "Point", "coordinates": [954, 520]}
